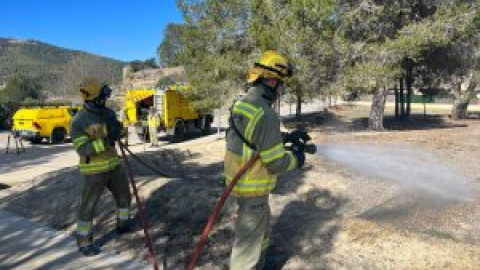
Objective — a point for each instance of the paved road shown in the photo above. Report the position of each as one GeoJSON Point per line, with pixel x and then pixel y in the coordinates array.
{"type": "Point", "coordinates": [27, 245]}
{"type": "Point", "coordinates": [36, 160]}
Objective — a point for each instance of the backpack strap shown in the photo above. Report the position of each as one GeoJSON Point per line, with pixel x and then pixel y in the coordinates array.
{"type": "Point", "coordinates": [239, 134]}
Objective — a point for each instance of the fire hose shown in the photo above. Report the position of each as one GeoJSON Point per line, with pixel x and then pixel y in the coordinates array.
{"type": "Point", "coordinates": [217, 209]}
{"type": "Point", "coordinates": [142, 219]}
{"type": "Point", "coordinates": [295, 146]}
{"type": "Point", "coordinates": [144, 163]}
{"type": "Point", "coordinates": [307, 148]}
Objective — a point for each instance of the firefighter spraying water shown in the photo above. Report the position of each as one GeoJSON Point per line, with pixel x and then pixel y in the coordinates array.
{"type": "Point", "coordinates": [256, 152]}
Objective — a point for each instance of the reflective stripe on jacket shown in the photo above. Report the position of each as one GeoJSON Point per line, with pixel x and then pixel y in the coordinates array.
{"type": "Point", "coordinates": [89, 131]}
{"type": "Point", "coordinates": [258, 123]}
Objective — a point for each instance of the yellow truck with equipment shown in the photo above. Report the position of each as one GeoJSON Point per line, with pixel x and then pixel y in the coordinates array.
{"type": "Point", "coordinates": [43, 122]}
{"type": "Point", "coordinates": [177, 117]}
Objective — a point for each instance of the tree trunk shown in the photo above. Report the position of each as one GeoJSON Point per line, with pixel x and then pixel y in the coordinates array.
{"type": "Point", "coordinates": [397, 100]}
{"type": "Point", "coordinates": [408, 84]}
{"type": "Point", "coordinates": [375, 122]}
{"type": "Point", "coordinates": [459, 109]}
{"type": "Point", "coordinates": [402, 99]}
{"type": "Point", "coordinates": [298, 110]}
{"type": "Point", "coordinates": [409, 99]}
{"type": "Point", "coordinates": [462, 100]}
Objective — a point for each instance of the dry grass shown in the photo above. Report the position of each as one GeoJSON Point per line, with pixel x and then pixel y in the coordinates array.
{"type": "Point", "coordinates": [325, 216]}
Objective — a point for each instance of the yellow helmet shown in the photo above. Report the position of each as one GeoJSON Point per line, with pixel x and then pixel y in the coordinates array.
{"type": "Point", "coordinates": [271, 65]}
{"type": "Point", "coordinates": [91, 88]}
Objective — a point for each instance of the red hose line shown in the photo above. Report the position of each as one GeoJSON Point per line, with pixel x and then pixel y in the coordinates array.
{"type": "Point", "coordinates": [140, 209]}
{"type": "Point", "coordinates": [217, 209]}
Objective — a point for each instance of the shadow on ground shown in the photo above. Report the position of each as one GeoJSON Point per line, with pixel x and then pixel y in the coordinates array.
{"type": "Point", "coordinates": [175, 205]}
{"type": "Point", "coordinates": [50, 198]}
{"type": "Point", "coordinates": [419, 122]}
{"type": "Point", "coordinates": [190, 135]}
{"type": "Point", "coordinates": [306, 230]}
{"type": "Point", "coordinates": [339, 120]}
{"type": "Point", "coordinates": [3, 186]}
{"type": "Point", "coordinates": [306, 227]}
{"type": "Point", "coordinates": [178, 209]}
{"type": "Point", "coordinates": [290, 182]}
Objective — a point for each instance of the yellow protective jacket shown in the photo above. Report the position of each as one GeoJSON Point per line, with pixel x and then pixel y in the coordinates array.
{"type": "Point", "coordinates": [89, 132]}
{"type": "Point", "coordinates": [258, 123]}
{"type": "Point", "coordinates": [153, 120]}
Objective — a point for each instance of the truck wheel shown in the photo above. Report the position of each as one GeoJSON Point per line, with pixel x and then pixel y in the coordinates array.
{"type": "Point", "coordinates": [179, 131]}
{"type": "Point", "coordinates": [58, 136]}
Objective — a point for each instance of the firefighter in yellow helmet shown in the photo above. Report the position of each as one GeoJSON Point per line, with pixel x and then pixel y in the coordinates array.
{"type": "Point", "coordinates": [255, 127]}
{"type": "Point", "coordinates": [95, 129]}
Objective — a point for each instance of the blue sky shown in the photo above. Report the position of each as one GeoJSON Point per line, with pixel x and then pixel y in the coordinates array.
{"type": "Point", "coordinates": [121, 29]}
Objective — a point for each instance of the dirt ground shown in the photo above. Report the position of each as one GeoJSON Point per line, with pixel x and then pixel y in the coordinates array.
{"type": "Point", "coordinates": [325, 216]}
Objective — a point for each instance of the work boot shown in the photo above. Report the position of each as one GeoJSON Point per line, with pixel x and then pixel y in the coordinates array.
{"type": "Point", "coordinates": [126, 227]}
{"type": "Point", "coordinates": [90, 250]}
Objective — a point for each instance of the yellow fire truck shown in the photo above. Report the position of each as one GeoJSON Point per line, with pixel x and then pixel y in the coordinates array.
{"type": "Point", "coordinates": [35, 123]}
{"type": "Point", "coordinates": [176, 115]}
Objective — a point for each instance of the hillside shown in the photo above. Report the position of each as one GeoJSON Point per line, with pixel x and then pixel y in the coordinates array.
{"type": "Point", "coordinates": [58, 69]}
{"type": "Point", "coordinates": [148, 78]}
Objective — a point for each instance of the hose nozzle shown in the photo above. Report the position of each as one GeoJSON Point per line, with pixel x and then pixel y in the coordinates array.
{"type": "Point", "coordinates": [307, 148]}
{"type": "Point", "coordinates": [310, 149]}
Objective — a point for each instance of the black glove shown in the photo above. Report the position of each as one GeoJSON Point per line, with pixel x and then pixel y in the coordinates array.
{"type": "Point", "coordinates": [297, 136]}
{"type": "Point", "coordinates": [300, 155]}
{"type": "Point", "coordinates": [284, 137]}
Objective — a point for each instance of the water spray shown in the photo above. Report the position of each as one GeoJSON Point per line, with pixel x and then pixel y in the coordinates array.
{"type": "Point", "coordinates": [408, 168]}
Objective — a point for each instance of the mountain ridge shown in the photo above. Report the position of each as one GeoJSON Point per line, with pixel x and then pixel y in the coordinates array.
{"type": "Point", "coordinates": [58, 69]}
